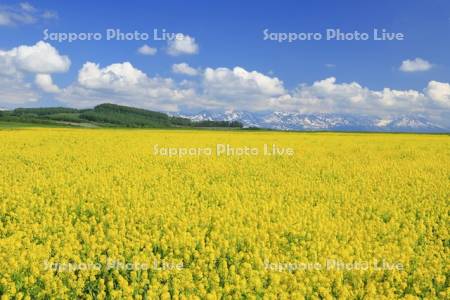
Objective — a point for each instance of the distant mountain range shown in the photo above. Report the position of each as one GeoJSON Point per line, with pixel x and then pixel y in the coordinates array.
{"type": "Point", "coordinates": [322, 121]}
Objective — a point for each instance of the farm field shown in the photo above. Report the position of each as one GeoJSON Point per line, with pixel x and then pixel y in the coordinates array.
{"type": "Point", "coordinates": [100, 214]}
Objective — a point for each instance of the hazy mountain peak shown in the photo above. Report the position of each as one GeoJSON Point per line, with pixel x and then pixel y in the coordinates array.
{"type": "Point", "coordinates": [322, 121]}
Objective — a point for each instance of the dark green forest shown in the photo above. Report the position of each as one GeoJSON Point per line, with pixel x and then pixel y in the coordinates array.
{"type": "Point", "coordinates": [107, 115]}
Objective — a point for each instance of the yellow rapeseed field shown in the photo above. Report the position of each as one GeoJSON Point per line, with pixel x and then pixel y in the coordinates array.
{"type": "Point", "coordinates": [102, 214]}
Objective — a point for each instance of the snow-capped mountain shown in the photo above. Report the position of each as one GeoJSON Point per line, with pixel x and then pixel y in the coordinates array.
{"type": "Point", "coordinates": [330, 122]}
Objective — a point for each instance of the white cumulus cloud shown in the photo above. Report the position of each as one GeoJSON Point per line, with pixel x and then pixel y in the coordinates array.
{"type": "Point", "coordinates": [439, 92]}
{"type": "Point", "coordinates": [16, 64]}
{"type": "Point", "coordinates": [147, 50]}
{"type": "Point", "coordinates": [122, 83]}
{"type": "Point", "coordinates": [45, 83]}
{"type": "Point", "coordinates": [39, 58]}
{"type": "Point", "coordinates": [415, 65]}
{"type": "Point", "coordinates": [329, 96]}
{"type": "Point", "coordinates": [184, 44]}
{"type": "Point", "coordinates": [184, 68]}
{"type": "Point", "coordinates": [240, 81]}
{"type": "Point", "coordinates": [118, 76]}
{"type": "Point", "coordinates": [239, 88]}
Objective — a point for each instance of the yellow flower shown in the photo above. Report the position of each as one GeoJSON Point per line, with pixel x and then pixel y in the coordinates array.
{"type": "Point", "coordinates": [95, 214]}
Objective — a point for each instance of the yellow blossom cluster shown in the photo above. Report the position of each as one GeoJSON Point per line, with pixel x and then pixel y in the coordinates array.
{"type": "Point", "coordinates": [96, 214]}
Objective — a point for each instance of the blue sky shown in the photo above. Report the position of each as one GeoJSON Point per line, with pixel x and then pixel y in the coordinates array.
{"type": "Point", "coordinates": [229, 34]}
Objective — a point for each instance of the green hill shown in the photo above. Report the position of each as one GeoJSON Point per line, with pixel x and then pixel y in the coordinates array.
{"type": "Point", "coordinates": [106, 115]}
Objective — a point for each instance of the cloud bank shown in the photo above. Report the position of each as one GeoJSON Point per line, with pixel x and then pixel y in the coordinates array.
{"type": "Point", "coordinates": [219, 88]}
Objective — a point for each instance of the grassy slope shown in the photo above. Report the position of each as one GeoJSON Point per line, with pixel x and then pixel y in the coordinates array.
{"type": "Point", "coordinates": [12, 125]}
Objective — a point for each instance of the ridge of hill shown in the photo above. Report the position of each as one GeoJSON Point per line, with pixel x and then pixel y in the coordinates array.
{"type": "Point", "coordinates": [107, 115]}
